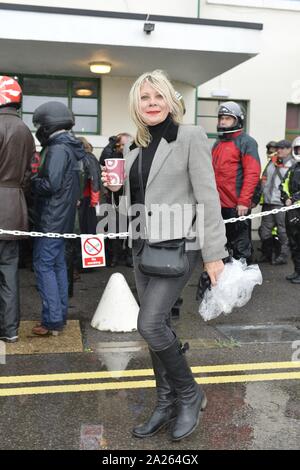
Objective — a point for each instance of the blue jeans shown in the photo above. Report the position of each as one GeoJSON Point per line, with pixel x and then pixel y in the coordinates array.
{"type": "Point", "coordinates": [52, 281]}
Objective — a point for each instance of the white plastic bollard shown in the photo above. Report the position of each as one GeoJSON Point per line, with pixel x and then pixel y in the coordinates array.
{"type": "Point", "coordinates": [117, 309]}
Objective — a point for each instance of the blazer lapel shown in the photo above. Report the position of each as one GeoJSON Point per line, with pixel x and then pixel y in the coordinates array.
{"type": "Point", "coordinates": [129, 159]}
{"type": "Point", "coordinates": [164, 148]}
{"type": "Point", "coordinates": [161, 154]}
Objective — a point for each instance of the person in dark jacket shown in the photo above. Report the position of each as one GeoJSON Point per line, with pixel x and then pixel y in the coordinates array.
{"type": "Point", "coordinates": [108, 150]}
{"type": "Point", "coordinates": [86, 222]}
{"type": "Point", "coordinates": [270, 248]}
{"type": "Point", "coordinates": [56, 187]}
{"type": "Point", "coordinates": [290, 194]}
{"type": "Point", "coordinates": [237, 170]}
{"type": "Point", "coordinates": [90, 189]}
{"type": "Point", "coordinates": [114, 246]}
{"type": "Point", "coordinates": [16, 151]}
{"type": "Point", "coordinates": [272, 177]}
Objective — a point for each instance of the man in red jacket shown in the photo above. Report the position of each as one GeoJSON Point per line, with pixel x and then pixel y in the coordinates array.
{"type": "Point", "coordinates": [237, 169]}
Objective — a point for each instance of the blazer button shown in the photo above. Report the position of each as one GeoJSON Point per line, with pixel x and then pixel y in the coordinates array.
{"type": "Point", "coordinates": [150, 213]}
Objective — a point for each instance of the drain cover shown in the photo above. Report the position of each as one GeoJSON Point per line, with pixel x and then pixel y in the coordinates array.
{"type": "Point", "coordinates": [261, 333]}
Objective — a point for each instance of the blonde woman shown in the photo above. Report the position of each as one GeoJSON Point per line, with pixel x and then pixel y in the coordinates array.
{"type": "Point", "coordinates": [175, 169]}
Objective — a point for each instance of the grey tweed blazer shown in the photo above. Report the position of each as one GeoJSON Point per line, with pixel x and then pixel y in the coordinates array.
{"type": "Point", "coordinates": [181, 182]}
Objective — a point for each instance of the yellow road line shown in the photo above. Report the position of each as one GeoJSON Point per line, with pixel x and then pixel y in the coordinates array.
{"type": "Point", "coordinates": [222, 379]}
{"type": "Point", "coordinates": [145, 372]}
{"type": "Point", "coordinates": [247, 366]}
{"type": "Point", "coordinates": [76, 376]}
{"type": "Point", "coordinates": [45, 390]}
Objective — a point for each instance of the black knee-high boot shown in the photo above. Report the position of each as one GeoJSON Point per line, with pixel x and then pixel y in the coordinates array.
{"type": "Point", "coordinates": [191, 400]}
{"type": "Point", "coordinates": [165, 410]}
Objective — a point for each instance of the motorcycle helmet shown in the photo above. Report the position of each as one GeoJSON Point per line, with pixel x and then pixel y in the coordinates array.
{"type": "Point", "coordinates": [230, 108]}
{"type": "Point", "coordinates": [10, 92]}
{"type": "Point", "coordinates": [296, 149]}
{"type": "Point", "coordinates": [270, 145]}
{"type": "Point", "coordinates": [51, 117]}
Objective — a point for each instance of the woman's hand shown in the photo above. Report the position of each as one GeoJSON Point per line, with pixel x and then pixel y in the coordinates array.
{"type": "Point", "coordinates": [105, 181]}
{"type": "Point", "coordinates": [214, 269]}
{"type": "Point", "coordinates": [288, 202]}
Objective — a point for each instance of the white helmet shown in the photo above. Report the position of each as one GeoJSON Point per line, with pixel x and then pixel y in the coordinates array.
{"type": "Point", "coordinates": [233, 109]}
{"type": "Point", "coordinates": [296, 153]}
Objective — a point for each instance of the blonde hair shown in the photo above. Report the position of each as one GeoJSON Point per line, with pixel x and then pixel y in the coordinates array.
{"type": "Point", "coordinates": [160, 82]}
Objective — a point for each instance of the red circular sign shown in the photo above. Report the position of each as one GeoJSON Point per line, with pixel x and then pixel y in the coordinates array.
{"type": "Point", "coordinates": [92, 246]}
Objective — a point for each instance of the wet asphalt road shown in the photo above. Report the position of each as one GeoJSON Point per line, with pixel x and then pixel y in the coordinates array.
{"type": "Point", "coordinates": [255, 409]}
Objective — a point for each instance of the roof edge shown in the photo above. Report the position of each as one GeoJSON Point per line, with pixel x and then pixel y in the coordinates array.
{"type": "Point", "coordinates": [130, 16]}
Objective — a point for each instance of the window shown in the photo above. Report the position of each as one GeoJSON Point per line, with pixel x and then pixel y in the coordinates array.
{"type": "Point", "coordinates": [292, 121]}
{"type": "Point", "coordinates": [272, 4]}
{"type": "Point", "coordinates": [80, 95]}
{"type": "Point", "coordinates": [207, 115]}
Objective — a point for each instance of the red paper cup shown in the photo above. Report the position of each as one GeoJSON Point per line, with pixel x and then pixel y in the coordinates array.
{"type": "Point", "coordinates": [115, 168]}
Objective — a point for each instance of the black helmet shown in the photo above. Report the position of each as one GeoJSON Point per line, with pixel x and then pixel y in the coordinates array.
{"type": "Point", "coordinates": [51, 117]}
{"type": "Point", "coordinates": [230, 108]}
{"type": "Point", "coordinates": [272, 143]}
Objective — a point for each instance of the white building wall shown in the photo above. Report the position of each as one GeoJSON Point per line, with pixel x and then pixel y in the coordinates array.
{"type": "Point", "coordinates": [115, 114]}
{"type": "Point", "coordinates": [254, 80]}
{"type": "Point", "coordinates": [271, 79]}
{"type": "Point", "coordinates": [187, 8]}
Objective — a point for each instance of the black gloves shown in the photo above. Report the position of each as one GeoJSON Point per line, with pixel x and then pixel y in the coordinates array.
{"type": "Point", "coordinates": [205, 283]}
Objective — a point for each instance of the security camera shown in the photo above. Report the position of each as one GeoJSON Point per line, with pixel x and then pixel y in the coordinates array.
{"type": "Point", "coordinates": [149, 27]}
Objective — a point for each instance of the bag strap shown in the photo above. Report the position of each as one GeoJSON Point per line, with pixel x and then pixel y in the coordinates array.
{"type": "Point", "coordinates": [278, 172]}
{"type": "Point", "coordinates": [141, 184]}
{"type": "Point", "coordinates": [140, 171]}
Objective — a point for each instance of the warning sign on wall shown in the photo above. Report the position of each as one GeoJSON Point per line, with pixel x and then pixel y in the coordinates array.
{"type": "Point", "coordinates": [93, 252]}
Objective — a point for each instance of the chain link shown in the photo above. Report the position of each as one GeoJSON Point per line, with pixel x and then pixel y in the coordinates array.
{"type": "Point", "coordinates": [20, 233]}
{"type": "Point", "coordinates": [261, 214]}
{"type": "Point", "coordinates": [60, 235]}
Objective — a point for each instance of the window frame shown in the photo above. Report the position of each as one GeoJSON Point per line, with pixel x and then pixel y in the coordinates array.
{"type": "Point", "coordinates": [214, 135]}
{"type": "Point", "coordinates": [70, 79]}
{"type": "Point", "coordinates": [288, 5]}
{"type": "Point", "coordinates": [292, 132]}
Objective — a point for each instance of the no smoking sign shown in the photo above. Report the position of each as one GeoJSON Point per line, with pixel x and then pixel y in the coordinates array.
{"type": "Point", "coordinates": [93, 253]}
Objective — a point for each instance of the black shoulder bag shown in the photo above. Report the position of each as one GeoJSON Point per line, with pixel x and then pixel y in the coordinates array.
{"type": "Point", "coordinates": [162, 259]}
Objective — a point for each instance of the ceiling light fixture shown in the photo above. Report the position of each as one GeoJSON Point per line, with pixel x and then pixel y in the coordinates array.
{"type": "Point", "coordinates": [100, 67]}
{"type": "Point", "coordinates": [84, 92]}
{"type": "Point", "coordinates": [220, 93]}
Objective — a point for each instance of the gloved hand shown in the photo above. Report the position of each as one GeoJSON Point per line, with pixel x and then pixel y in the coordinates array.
{"type": "Point", "coordinates": [203, 284]}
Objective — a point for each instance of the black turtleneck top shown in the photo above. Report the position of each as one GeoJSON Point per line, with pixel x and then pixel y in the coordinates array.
{"type": "Point", "coordinates": [157, 132]}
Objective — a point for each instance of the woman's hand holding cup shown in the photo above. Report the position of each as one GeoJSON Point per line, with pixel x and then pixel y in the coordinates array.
{"type": "Point", "coordinates": [113, 174]}
{"type": "Point", "coordinates": [105, 180]}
